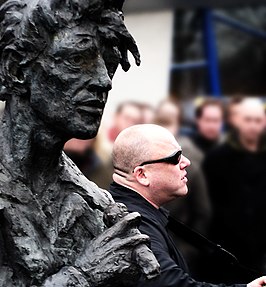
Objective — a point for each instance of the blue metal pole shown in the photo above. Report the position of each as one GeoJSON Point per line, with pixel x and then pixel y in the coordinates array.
{"type": "Point", "coordinates": [190, 65]}
{"type": "Point", "coordinates": [233, 23]}
{"type": "Point", "coordinates": [211, 53]}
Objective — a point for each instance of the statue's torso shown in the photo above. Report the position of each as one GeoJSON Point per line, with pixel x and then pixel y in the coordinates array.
{"type": "Point", "coordinates": [41, 235]}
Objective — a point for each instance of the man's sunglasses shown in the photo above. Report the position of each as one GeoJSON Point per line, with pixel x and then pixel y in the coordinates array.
{"type": "Point", "coordinates": [172, 159]}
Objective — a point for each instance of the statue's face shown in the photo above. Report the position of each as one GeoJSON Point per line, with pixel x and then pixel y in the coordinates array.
{"type": "Point", "coordinates": [70, 82]}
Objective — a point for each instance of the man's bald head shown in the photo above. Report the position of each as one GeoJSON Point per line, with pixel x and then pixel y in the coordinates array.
{"type": "Point", "coordinates": [158, 182]}
{"type": "Point", "coordinates": [250, 120]}
{"type": "Point", "coordinates": [140, 143]}
{"type": "Point", "coordinates": [251, 107]}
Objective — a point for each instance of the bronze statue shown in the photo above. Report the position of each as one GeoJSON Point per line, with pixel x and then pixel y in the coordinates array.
{"type": "Point", "coordinates": [57, 61]}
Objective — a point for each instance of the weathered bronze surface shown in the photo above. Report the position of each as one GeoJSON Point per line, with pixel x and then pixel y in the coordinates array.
{"type": "Point", "coordinates": [57, 61]}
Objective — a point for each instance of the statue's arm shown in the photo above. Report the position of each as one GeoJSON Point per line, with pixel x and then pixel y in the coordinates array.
{"type": "Point", "coordinates": [6, 272]}
{"type": "Point", "coordinates": [116, 257]}
{"type": "Point", "coordinates": [66, 277]}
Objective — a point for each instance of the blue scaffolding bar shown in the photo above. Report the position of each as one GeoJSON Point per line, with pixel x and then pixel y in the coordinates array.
{"type": "Point", "coordinates": [233, 23]}
{"type": "Point", "coordinates": [189, 65]}
{"type": "Point", "coordinates": [211, 53]}
{"type": "Point", "coordinates": [211, 62]}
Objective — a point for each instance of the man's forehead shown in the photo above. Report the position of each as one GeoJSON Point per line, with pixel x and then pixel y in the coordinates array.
{"type": "Point", "coordinates": [252, 112]}
{"type": "Point", "coordinates": [76, 37]}
{"type": "Point", "coordinates": [165, 146]}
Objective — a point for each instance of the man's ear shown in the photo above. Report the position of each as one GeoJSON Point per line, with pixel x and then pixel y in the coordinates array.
{"type": "Point", "coordinates": [141, 176]}
{"type": "Point", "coordinates": [13, 74]}
{"type": "Point", "coordinates": [12, 65]}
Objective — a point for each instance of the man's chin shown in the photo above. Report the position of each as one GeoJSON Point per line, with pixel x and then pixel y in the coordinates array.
{"type": "Point", "coordinates": [183, 192]}
{"type": "Point", "coordinates": [84, 132]}
{"type": "Point", "coordinates": [86, 135]}
{"type": "Point", "coordinates": [86, 129]}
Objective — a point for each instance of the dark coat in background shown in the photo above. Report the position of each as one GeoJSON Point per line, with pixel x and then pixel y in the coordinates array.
{"type": "Point", "coordinates": [237, 186]}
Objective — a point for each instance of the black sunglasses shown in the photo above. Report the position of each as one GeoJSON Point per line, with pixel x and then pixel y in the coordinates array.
{"type": "Point", "coordinates": [172, 159]}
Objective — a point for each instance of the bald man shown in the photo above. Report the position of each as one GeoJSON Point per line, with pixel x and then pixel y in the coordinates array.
{"type": "Point", "coordinates": [236, 173]}
{"type": "Point", "coordinates": [149, 171]}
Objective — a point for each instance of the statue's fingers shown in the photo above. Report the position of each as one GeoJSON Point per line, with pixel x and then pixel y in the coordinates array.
{"type": "Point", "coordinates": [131, 241]}
{"type": "Point", "coordinates": [147, 261]}
{"type": "Point", "coordinates": [114, 212]}
{"type": "Point", "coordinates": [131, 220]}
{"type": "Point", "coordinates": [115, 250]}
{"type": "Point", "coordinates": [120, 229]}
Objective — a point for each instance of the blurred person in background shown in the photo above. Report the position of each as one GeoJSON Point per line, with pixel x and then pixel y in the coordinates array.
{"type": "Point", "coordinates": [209, 123]}
{"type": "Point", "coordinates": [127, 114]}
{"type": "Point", "coordinates": [84, 155]}
{"type": "Point", "coordinates": [168, 114]}
{"type": "Point", "coordinates": [236, 176]}
{"type": "Point", "coordinates": [232, 110]}
{"type": "Point", "coordinates": [148, 113]}
{"type": "Point", "coordinates": [194, 210]}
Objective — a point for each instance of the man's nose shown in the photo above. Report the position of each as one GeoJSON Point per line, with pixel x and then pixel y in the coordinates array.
{"type": "Point", "coordinates": [100, 81]}
{"type": "Point", "coordinates": [185, 162]}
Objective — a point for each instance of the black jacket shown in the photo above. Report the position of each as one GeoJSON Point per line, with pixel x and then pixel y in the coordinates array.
{"type": "Point", "coordinates": [174, 272]}
{"type": "Point", "coordinates": [237, 188]}
{"type": "Point", "coordinates": [204, 144]}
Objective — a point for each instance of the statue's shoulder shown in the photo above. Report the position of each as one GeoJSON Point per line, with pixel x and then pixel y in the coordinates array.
{"type": "Point", "coordinates": [5, 174]}
{"type": "Point", "coordinates": [86, 188]}
{"type": "Point", "coordinates": [12, 188]}
{"type": "Point", "coordinates": [5, 181]}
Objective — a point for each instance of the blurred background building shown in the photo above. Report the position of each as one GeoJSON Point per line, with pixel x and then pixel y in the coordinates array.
{"type": "Point", "coordinates": [193, 47]}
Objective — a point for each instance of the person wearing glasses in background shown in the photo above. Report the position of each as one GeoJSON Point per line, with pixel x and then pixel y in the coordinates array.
{"type": "Point", "coordinates": [149, 171]}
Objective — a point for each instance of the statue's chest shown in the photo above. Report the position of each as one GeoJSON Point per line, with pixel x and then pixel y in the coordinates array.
{"type": "Point", "coordinates": [47, 234]}
{"type": "Point", "coordinates": [45, 225]}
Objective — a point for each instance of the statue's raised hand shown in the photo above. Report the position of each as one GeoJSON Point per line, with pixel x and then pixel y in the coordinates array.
{"type": "Point", "coordinates": [117, 257]}
{"type": "Point", "coordinates": [118, 251]}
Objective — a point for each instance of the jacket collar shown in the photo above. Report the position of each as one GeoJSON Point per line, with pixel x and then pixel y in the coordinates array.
{"type": "Point", "coordinates": [136, 202]}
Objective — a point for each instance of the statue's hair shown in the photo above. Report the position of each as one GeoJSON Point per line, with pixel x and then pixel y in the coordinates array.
{"type": "Point", "coordinates": [28, 26]}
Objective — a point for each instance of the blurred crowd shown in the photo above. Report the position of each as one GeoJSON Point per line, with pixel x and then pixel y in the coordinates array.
{"type": "Point", "coordinates": [225, 142]}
